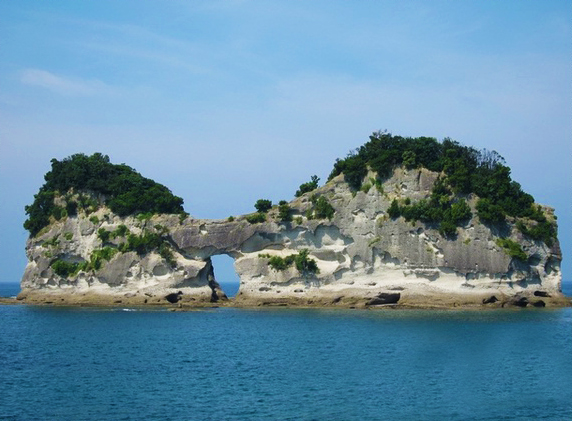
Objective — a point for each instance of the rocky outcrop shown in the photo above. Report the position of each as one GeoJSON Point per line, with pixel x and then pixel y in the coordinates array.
{"type": "Point", "coordinates": [364, 257]}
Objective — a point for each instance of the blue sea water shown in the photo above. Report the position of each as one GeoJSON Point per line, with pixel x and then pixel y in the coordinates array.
{"type": "Point", "coordinates": [284, 364]}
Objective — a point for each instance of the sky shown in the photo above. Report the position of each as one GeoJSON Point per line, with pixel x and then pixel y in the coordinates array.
{"type": "Point", "coordinates": [226, 102]}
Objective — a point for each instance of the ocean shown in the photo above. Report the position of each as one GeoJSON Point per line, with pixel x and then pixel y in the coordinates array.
{"type": "Point", "coordinates": [284, 364]}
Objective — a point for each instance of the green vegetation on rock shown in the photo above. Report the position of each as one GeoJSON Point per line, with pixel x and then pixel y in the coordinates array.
{"type": "Point", "coordinates": [490, 212]}
{"type": "Point", "coordinates": [512, 248]}
{"type": "Point", "coordinates": [263, 205]}
{"type": "Point", "coordinates": [122, 189]}
{"type": "Point", "coordinates": [305, 265]}
{"type": "Point", "coordinates": [143, 243]}
{"type": "Point", "coordinates": [465, 170]}
{"type": "Point", "coordinates": [103, 235]}
{"type": "Point", "coordinates": [540, 230]}
{"type": "Point", "coordinates": [309, 186]}
{"type": "Point", "coordinates": [322, 209]}
{"type": "Point", "coordinates": [256, 218]}
{"type": "Point", "coordinates": [280, 263]}
{"type": "Point", "coordinates": [54, 241]}
{"type": "Point", "coordinates": [67, 269]}
{"type": "Point", "coordinates": [166, 253]}
{"type": "Point", "coordinates": [144, 216]}
{"type": "Point", "coordinates": [120, 231]}
{"type": "Point", "coordinates": [182, 217]}
{"type": "Point", "coordinates": [98, 256]}
{"type": "Point", "coordinates": [443, 208]}
{"type": "Point", "coordinates": [63, 268]}
{"type": "Point", "coordinates": [365, 187]}
{"type": "Point", "coordinates": [284, 211]}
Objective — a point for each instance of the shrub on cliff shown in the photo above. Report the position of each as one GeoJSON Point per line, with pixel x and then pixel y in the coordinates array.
{"type": "Point", "coordinates": [284, 211]}
{"type": "Point", "coordinates": [304, 264]}
{"type": "Point", "coordinates": [443, 208]}
{"type": "Point", "coordinates": [125, 191]}
{"type": "Point", "coordinates": [279, 263]}
{"type": "Point", "coordinates": [512, 248]}
{"type": "Point", "coordinates": [97, 257]}
{"type": "Point", "coordinates": [103, 234]}
{"type": "Point", "coordinates": [539, 231]}
{"type": "Point", "coordinates": [394, 211]}
{"type": "Point", "coordinates": [256, 218]}
{"type": "Point", "coordinates": [142, 244]}
{"type": "Point", "coordinates": [309, 186]}
{"type": "Point", "coordinates": [490, 212]}
{"type": "Point", "coordinates": [323, 208]}
{"type": "Point", "coordinates": [67, 269]}
{"type": "Point", "coordinates": [64, 269]}
{"type": "Point", "coordinates": [263, 205]}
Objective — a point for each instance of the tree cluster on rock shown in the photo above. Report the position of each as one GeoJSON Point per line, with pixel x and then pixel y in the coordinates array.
{"type": "Point", "coordinates": [465, 170]}
{"type": "Point", "coordinates": [78, 178]}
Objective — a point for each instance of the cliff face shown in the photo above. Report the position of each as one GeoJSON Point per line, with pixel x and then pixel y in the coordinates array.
{"type": "Point", "coordinates": [363, 257]}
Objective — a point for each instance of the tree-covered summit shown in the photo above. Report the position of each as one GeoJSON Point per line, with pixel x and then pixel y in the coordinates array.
{"type": "Point", "coordinates": [464, 170]}
{"type": "Point", "coordinates": [76, 179]}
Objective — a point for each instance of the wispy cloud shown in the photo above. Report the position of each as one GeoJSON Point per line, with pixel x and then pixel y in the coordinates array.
{"type": "Point", "coordinates": [61, 85]}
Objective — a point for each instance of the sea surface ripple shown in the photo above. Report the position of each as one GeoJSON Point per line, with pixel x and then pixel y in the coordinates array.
{"type": "Point", "coordinates": [232, 364]}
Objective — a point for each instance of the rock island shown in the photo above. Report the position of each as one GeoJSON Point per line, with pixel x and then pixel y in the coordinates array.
{"type": "Point", "coordinates": [400, 222]}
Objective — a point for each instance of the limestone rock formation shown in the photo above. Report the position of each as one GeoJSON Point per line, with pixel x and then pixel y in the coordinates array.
{"type": "Point", "coordinates": [364, 257]}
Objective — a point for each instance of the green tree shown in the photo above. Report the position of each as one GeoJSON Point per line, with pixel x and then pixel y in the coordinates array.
{"type": "Point", "coordinates": [393, 211]}
{"type": "Point", "coordinates": [256, 218]}
{"type": "Point", "coordinates": [309, 186]}
{"type": "Point", "coordinates": [284, 211]}
{"type": "Point", "coordinates": [304, 264]}
{"type": "Point", "coordinates": [103, 234]}
{"type": "Point", "coordinates": [125, 191]}
{"type": "Point", "coordinates": [409, 159]}
{"type": "Point", "coordinates": [263, 205]}
{"type": "Point", "coordinates": [467, 170]}
{"type": "Point", "coordinates": [489, 212]}
{"type": "Point", "coordinates": [512, 248]}
{"type": "Point", "coordinates": [460, 211]}
{"type": "Point", "coordinates": [323, 209]}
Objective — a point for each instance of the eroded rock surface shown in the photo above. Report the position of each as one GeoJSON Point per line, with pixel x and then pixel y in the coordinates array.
{"type": "Point", "coordinates": [364, 257]}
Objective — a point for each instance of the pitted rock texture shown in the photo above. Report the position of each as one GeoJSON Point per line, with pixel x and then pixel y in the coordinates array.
{"type": "Point", "coordinates": [362, 255]}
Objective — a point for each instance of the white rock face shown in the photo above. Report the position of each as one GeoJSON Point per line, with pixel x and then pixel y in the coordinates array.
{"type": "Point", "coordinates": [363, 256]}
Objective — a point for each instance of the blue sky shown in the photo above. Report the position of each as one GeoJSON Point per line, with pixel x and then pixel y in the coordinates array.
{"type": "Point", "coordinates": [226, 102]}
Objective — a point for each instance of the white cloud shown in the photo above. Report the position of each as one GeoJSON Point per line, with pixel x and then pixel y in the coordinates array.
{"type": "Point", "coordinates": [64, 85]}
